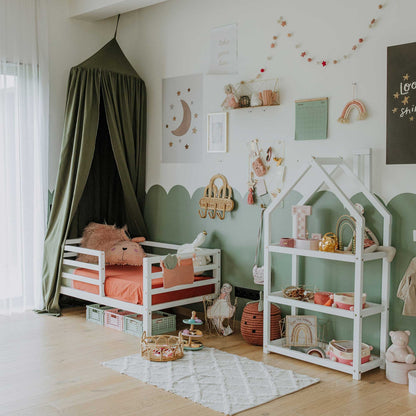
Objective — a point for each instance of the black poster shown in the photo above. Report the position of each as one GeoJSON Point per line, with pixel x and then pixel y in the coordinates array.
{"type": "Point", "coordinates": [401, 104]}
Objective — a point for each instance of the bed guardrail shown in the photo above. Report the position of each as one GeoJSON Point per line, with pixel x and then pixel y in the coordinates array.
{"type": "Point", "coordinates": [71, 250]}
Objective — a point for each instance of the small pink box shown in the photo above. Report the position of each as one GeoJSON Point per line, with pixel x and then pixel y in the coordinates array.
{"type": "Point", "coordinates": [287, 242]}
{"type": "Point", "coordinates": [307, 244]}
{"type": "Point", "coordinates": [113, 318]}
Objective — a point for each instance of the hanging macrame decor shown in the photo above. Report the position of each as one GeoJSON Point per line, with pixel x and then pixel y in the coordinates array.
{"type": "Point", "coordinates": [351, 105]}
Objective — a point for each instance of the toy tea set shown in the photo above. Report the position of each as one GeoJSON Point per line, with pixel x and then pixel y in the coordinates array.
{"type": "Point", "coordinates": [191, 335]}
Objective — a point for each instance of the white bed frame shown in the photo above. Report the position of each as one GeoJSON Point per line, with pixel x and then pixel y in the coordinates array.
{"type": "Point", "coordinates": [72, 249]}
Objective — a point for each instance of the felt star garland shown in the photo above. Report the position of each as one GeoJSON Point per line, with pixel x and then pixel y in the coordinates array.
{"type": "Point", "coordinates": [309, 56]}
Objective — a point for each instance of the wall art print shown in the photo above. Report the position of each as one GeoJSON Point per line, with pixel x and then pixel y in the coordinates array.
{"type": "Point", "coordinates": [301, 330]}
{"type": "Point", "coordinates": [223, 50]}
{"type": "Point", "coordinates": [182, 137]}
{"type": "Point", "coordinates": [401, 104]}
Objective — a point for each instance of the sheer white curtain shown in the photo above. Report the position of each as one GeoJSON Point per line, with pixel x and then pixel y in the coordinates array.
{"type": "Point", "coordinates": [23, 152]}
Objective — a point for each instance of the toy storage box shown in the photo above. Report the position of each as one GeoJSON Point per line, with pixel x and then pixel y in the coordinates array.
{"type": "Point", "coordinates": [113, 318]}
{"type": "Point", "coordinates": [162, 322]}
{"type": "Point", "coordinates": [95, 313]}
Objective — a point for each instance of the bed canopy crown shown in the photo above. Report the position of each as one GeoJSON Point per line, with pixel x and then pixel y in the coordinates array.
{"type": "Point", "coordinates": [102, 166]}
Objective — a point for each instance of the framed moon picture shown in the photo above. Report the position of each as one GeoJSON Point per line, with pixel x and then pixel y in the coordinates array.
{"type": "Point", "coordinates": [217, 132]}
{"type": "Point", "coordinates": [182, 119]}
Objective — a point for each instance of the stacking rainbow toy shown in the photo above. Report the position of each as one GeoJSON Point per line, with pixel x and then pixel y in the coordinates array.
{"type": "Point", "coordinates": [349, 107]}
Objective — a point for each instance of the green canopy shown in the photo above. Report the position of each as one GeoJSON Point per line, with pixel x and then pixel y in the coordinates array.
{"type": "Point", "coordinates": [102, 167]}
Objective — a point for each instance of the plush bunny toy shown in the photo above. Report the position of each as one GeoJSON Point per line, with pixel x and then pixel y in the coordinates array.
{"type": "Point", "coordinates": [118, 248]}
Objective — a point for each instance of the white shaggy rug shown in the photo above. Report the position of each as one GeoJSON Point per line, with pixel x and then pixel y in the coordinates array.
{"type": "Point", "coordinates": [221, 381]}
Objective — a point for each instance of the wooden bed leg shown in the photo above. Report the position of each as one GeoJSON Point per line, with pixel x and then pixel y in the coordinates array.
{"type": "Point", "coordinates": [147, 296]}
{"type": "Point", "coordinates": [147, 323]}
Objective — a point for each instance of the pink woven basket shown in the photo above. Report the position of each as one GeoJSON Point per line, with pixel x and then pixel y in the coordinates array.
{"type": "Point", "coordinates": [113, 318]}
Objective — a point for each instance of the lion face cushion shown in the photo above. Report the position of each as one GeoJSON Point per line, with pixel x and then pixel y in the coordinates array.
{"type": "Point", "coordinates": [118, 248]}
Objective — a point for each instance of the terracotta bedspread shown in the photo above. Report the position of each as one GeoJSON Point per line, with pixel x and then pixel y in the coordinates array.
{"type": "Point", "coordinates": [126, 283]}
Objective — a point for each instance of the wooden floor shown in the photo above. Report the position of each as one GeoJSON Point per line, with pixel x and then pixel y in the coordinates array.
{"type": "Point", "coordinates": [51, 366]}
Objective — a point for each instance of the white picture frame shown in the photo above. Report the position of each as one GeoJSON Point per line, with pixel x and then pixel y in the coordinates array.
{"type": "Point", "coordinates": [217, 132]}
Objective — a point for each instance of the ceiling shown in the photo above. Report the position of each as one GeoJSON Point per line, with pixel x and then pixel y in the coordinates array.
{"type": "Point", "coordinates": [94, 10]}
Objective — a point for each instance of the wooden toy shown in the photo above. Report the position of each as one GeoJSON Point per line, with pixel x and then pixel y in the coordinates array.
{"type": "Point", "coordinates": [190, 344]}
{"type": "Point", "coordinates": [300, 212]}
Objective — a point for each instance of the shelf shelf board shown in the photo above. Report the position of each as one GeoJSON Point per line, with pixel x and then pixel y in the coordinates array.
{"type": "Point", "coordinates": [350, 258]}
{"type": "Point", "coordinates": [369, 310]}
{"type": "Point", "coordinates": [278, 346]}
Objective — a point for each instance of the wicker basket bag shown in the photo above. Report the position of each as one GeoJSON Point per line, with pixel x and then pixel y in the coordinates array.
{"type": "Point", "coordinates": [252, 323]}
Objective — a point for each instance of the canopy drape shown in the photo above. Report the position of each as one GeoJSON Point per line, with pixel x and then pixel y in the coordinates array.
{"type": "Point", "coordinates": [105, 82]}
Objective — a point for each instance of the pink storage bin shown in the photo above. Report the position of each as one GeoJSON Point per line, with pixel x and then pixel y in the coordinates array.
{"type": "Point", "coordinates": [345, 300]}
{"type": "Point", "coordinates": [113, 318]}
{"type": "Point", "coordinates": [342, 352]}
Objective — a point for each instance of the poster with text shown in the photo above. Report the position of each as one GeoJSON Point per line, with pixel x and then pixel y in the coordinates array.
{"type": "Point", "coordinates": [401, 104]}
{"type": "Point", "coordinates": [182, 119]}
{"type": "Point", "coordinates": [223, 52]}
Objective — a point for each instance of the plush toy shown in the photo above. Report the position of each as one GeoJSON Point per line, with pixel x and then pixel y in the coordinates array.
{"type": "Point", "coordinates": [118, 248]}
{"type": "Point", "coordinates": [399, 351]}
{"type": "Point", "coordinates": [192, 249]}
{"type": "Point", "coordinates": [222, 309]}
{"type": "Point", "coordinates": [231, 99]}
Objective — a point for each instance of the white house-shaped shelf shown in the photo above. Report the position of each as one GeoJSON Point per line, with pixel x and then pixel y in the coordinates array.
{"type": "Point", "coordinates": [322, 171]}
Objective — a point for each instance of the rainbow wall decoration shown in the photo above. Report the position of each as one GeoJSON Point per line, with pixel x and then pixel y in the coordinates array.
{"type": "Point", "coordinates": [346, 112]}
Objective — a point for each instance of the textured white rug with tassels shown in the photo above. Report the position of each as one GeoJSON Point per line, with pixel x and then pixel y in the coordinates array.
{"type": "Point", "coordinates": [221, 381]}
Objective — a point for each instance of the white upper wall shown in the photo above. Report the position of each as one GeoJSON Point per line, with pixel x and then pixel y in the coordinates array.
{"type": "Point", "coordinates": [172, 39]}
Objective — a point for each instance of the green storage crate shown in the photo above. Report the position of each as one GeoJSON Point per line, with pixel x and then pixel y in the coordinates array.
{"type": "Point", "coordinates": [95, 313]}
{"type": "Point", "coordinates": [162, 322]}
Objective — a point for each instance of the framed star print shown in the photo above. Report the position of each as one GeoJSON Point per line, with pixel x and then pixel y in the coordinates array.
{"type": "Point", "coordinates": [217, 132]}
{"type": "Point", "coordinates": [182, 119]}
{"type": "Point", "coordinates": [401, 104]}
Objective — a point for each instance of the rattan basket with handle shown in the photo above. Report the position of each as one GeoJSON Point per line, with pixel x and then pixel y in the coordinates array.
{"type": "Point", "coordinates": [161, 347]}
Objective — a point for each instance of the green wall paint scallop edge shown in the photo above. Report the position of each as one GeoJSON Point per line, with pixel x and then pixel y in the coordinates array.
{"type": "Point", "coordinates": [173, 217]}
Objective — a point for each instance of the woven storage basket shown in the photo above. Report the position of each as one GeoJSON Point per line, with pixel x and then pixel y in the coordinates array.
{"type": "Point", "coordinates": [162, 322]}
{"type": "Point", "coordinates": [95, 313]}
{"type": "Point", "coordinates": [113, 318]}
{"type": "Point", "coordinates": [252, 324]}
{"type": "Point", "coordinates": [161, 347]}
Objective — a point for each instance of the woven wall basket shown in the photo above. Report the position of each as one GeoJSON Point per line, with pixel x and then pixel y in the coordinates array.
{"type": "Point", "coordinates": [252, 324]}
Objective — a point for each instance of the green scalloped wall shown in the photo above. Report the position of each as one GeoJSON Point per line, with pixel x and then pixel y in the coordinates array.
{"type": "Point", "coordinates": [173, 217]}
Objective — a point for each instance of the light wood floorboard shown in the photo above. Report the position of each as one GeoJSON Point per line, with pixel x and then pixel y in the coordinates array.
{"type": "Point", "coordinates": [51, 366]}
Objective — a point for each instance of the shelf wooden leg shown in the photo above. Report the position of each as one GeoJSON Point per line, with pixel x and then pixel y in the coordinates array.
{"type": "Point", "coordinates": [384, 321]}
{"type": "Point", "coordinates": [358, 320]}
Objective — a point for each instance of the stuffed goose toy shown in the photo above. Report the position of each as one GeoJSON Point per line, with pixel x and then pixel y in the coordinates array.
{"type": "Point", "coordinates": [192, 249]}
